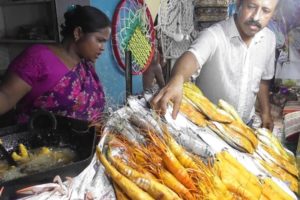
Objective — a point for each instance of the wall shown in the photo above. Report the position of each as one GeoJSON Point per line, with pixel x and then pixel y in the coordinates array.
{"type": "Point", "coordinates": [153, 6]}
{"type": "Point", "coordinates": [13, 17]}
{"type": "Point", "coordinates": [112, 77]}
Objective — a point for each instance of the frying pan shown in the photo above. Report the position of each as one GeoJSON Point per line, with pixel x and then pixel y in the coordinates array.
{"type": "Point", "coordinates": [67, 132]}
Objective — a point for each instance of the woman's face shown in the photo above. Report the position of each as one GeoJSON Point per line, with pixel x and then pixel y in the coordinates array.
{"type": "Point", "coordinates": [91, 45]}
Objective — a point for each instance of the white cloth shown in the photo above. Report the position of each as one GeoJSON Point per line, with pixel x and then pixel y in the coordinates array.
{"type": "Point", "coordinates": [295, 38]}
{"type": "Point", "coordinates": [289, 68]}
{"type": "Point", "coordinates": [288, 62]}
{"type": "Point", "coordinates": [229, 69]}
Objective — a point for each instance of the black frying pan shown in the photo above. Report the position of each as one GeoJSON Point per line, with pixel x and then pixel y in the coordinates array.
{"type": "Point", "coordinates": [72, 133]}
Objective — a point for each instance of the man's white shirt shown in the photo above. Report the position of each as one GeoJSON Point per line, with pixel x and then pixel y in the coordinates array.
{"type": "Point", "coordinates": [230, 70]}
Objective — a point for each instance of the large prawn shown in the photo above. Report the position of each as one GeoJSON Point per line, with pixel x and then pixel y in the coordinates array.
{"type": "Point", "coordinates": [154, 188]}
{"type": "Point", "coordinates": [147, 156]}
{"type": "Point", "coordinates": [172, 163]}
{"type": "Point", "coordinates": [127, 186]}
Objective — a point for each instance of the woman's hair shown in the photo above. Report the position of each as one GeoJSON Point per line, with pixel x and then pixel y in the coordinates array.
{"type": "Point", "coordinates": [89, 18]}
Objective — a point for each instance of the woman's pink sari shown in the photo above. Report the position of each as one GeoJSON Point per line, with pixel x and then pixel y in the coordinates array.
{"type": "Point", "coordinates": [75, 93]}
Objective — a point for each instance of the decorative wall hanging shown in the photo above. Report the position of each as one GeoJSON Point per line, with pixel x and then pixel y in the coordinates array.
{"type": "Point", "coordinates": [133, 30]}
{"type": "Point", "coordinates": [175, 26]}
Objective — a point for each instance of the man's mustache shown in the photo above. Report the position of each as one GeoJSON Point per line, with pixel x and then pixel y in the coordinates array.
{"type": "Point", "coordinates": [252, 22]}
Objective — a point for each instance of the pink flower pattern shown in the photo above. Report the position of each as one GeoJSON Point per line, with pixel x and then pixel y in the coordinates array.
{"type": "Point", "coordinates": [79, 94]}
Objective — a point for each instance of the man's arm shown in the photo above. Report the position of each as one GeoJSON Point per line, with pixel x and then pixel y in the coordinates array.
{"type": "Point", "coordinates": [265, 108]}
{"type": "Point", "coordinates": [186, 65]}
{"type": "Point", "coordinates": [183, 69]}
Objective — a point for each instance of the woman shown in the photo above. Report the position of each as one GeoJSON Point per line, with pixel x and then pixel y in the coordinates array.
{"type": "Point", "coordinates": [61, 77]}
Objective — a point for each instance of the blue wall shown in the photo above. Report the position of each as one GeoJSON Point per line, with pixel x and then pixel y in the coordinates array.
{"type": "Point", "coordinates": [111, 75]}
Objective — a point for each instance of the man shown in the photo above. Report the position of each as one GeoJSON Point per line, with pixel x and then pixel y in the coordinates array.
{"type": "Point", "coordinates": [236, 59]}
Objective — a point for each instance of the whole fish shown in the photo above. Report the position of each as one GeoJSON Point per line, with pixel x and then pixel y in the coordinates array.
{"type": "Point", "coordinates": [192, 142]}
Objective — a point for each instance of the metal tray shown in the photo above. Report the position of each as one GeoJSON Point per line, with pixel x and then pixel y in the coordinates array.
{"type": "Point", "coordinates": [72, 133]}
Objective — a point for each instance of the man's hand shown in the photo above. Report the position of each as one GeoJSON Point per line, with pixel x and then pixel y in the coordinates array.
{"type": "Point", "coordinates": [171, 92]}
{"type": "Point", "coordinates": [267, 121]}
{"type": "Point", "coordinates": [185, 66]}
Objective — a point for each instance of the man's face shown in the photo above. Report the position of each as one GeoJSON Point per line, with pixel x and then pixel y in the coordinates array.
{"type": "Point", "coordinates": [254, 15]}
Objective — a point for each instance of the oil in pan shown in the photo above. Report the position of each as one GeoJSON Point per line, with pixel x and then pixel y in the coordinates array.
{"type": "Point", "coordinates": [35, 160]}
